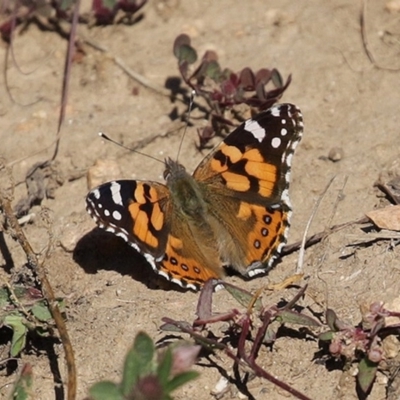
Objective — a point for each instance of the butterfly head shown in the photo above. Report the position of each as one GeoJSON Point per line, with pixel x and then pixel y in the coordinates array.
{"type": "Point", "coordinates": [173, 170]}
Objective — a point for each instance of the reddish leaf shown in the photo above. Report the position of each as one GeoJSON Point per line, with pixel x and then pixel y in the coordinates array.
{"type": "Point", "coordinates": [205, 301]}
{"type": "Point", "coordinates": [104, 11]}
{"type": "Point", "coordinates": [247, 79]}
{"type": "Point", "coordinates": [210, 55]}
{"type": "Point", "coordinates": [263, 76]}
{"type": "Point", "coordinates": [181, 40]}
{"type": "Point", "coordinates": [131, 6]}
{"type": "Point", "coordinates": [6, 29]}
{"type": "Point", "coordinates": [228, 88]}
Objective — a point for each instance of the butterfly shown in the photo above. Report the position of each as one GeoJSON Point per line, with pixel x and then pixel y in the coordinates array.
{"type": "Point", "coordinates": [234, 210]}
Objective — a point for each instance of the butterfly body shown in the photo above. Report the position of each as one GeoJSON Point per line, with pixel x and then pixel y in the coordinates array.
{"type": "Point", "coordinates": [234, 210]}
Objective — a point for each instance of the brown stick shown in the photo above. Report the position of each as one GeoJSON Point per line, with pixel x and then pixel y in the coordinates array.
{"type": "Point", "coordinates": [288, 249]}
{"type": "Point", "coordinates": [364, 39]}
{"type": "Point", "coordinates": [17, 232]}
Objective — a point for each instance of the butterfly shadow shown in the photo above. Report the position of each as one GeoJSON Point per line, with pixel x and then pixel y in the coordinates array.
{"type": "Point", "coordinates": [99, 250]}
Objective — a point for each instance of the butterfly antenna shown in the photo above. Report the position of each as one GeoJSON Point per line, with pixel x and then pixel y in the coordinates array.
{"type": "Point", "coordinates": [187, 123]}
{"type": "Point", "coordinates": [104, 136]}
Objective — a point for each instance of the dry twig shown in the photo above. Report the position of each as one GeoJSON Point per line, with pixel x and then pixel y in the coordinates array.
{"type": "Point", "coordinates": [17, 233]}
{"type": "Point", "coordinates": [365, 40]}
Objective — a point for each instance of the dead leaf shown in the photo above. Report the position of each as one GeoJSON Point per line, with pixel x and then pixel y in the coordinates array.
{"type": "Point", "coordinates": [386, 218]}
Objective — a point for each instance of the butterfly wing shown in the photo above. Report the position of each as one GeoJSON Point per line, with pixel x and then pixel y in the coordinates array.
{"type": "Point", "coordinates": [246, 181]}
{"type": "Point", "coordinates": [190, 258]}
{"type": "Point", "coordinates": [135, 211]}
{"type": "Point", "coordinates": [142, 214]}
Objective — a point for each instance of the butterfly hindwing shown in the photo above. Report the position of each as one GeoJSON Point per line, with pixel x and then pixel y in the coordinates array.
{"type": "Point", "coordinates": [190, 270]}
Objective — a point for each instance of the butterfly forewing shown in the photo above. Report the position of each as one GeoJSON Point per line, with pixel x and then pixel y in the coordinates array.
{"type": "Point", "coordinates": [248, 176]}
{"type": "Point", "coordinates": [136, 211]}
{"type": "Point", "coordinates": [253, 162]}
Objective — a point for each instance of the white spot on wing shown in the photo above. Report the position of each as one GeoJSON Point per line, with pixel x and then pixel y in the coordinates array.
{"type": "Point", "coordinates": [150, 260]}
{"type": "Point", "coordinates": [117, 215]}
{"type": "Point", "coordinates": [116, 193]}
{"type": "Point", "coordinates": [255, 129]}
{"type": "Point", "coordinates": [134, 245]}
{"type": "Point", "coordinates": [276, 142]}
{"type": "Point", "coordinates": [289, 159]}
{"type": "Point", "coordinates": [162, 273]}
{"type": "Point", "coordinates": [275, 111]}
{"type": "Point", "coordinates": [122, 235]}
{"type": "Point", "coordinates": [96, 193]}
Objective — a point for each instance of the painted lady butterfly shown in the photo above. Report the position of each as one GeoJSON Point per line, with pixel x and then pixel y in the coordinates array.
{"type": "Point", "coordinates": [234, 210]}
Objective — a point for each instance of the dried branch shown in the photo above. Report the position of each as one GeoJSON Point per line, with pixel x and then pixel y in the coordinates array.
{"type": "Point", "coordinates": [17, 233]}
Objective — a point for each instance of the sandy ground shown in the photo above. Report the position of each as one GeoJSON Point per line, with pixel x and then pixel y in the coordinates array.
{"type": "Point", "coordinates": [347, 103]}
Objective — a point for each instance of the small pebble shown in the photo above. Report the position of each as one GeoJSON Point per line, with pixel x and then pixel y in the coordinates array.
{"type": "Point", "coordinates": [393, 6]}
{"type": "Point", "coordinates": [335, 154]}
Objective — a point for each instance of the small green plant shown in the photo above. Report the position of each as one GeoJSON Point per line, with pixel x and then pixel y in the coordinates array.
{"type": "Point", "coordinates": [149, 375]}
{"type": "Point", "coordinates": [23, 310]}
{"type": "Point", "coordinates": [248, 330]}
{"type": "Point", "coordinates": [49, 13]}
{"type": "Point", "coordinates": [360, 344]}
{"type": "Point", "coordinates": [23, 386]}
{"type": "Point", "coordinates": [224, 90]}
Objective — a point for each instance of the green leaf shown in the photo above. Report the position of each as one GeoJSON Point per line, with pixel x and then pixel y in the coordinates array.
{"type": "Point", "coordinates": [293, 317]}
{"type": "Point", "coordinates": [242, 296]}
{"type": "Point", "coordinates": [16, 323]}
{"type": "Point", "coordinates": [180, 40]}
{"type": "Point", "coordinates": [186, 53]}
{"type": "Point", "coordinates": [65, 5]}
{"type": "Point", "coordinates": [20, 293]}
{"type": "Point", "coordinates": [164, 367]}
{"type": "Point", "coordinates": [180, 380]}
{"type": "Point", "coordinates": [109, 4]}
{"type": "Point", "coordinates": [331, 319]}
{"type": "Point", "coordinates": [213, 70]}
{"type": "Point", "coordinates": [144, 347]}
{"type": "Point", "coordinates": [366, 374]}
{"type": "Point", "coordinates": [138, 361]}
{"type": "Point", "coordinates": [169, 327]}
{"type": "Point", "coordinates": [326, 336]}
{"type": "Point", "coordinates": [270, 333]}
{"type": "Point", "coordinates": [105, 390]}
{"type": "Point", "coordinates": [276, 78]}
{"type": "Point", "coordinates": [41, 311]}
{"type": "Point", "coordinates": [4, 297]}
{"type": "Point", "coordinates": [23, 386]}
